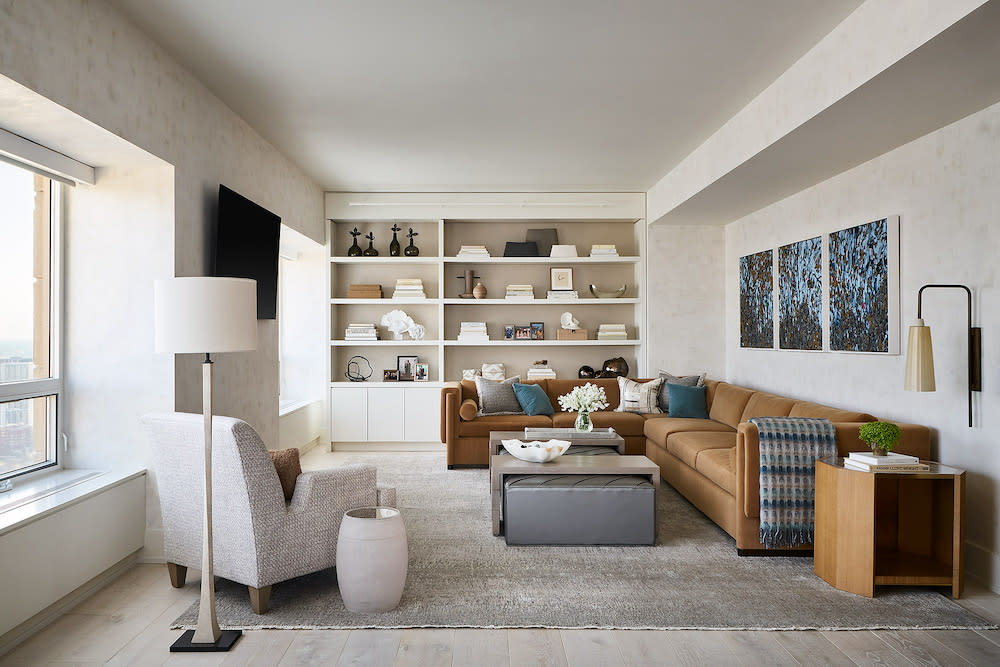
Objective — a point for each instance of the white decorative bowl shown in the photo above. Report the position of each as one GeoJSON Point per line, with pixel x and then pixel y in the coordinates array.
{"type": "Point", "coordinates": [536, 451]}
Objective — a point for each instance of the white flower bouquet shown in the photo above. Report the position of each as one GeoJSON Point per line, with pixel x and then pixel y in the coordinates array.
{"type": "Point", "coordinates": [585, 398]}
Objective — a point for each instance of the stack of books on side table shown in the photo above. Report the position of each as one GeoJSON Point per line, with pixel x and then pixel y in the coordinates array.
{"type": "Point", "coordinates": [562, 295]}
{"type": "Point", "coordinates": [361, 332]}
{"type": "Point", "coordinates": [473, 332]}
{"type": "Point", "coordinates": [473, 251]}
{"type": "Point", "coordinates": [364, 292]}
{"type": "Point", "coordinates": [611, 332]}
{"type": "Point", "coordinates": [889, 463]}
{"type": "Point", "coordinates": [409, 288]}
{"type": "Point", "coordinates": [603, 250]}
{"type": "Point", "coordinates": [520, 292]}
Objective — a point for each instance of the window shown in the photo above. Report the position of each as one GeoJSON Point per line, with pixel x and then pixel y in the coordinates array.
{"type": "Point", "coordinates": [30, 384]}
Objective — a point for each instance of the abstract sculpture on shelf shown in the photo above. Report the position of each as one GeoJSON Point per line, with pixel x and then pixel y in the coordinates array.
{"type": "Point", "coordinates": [613, 368]}
{"type": "Point", "coordinates": [607, 294]}
{"type": "Point", "coordinates": [398, 323]}
{"type": "Point", "coordinates": [370, 251]}
{"type": "Point", "coordinates": [586, 373]}
{"type": "Point", "coordinates": [411, 250]}
{"type": "Point", "coordinates": [354, 371]}
{"type": "Point", "coordinates": [394, 244]}
{"type": "Point", "coordinates": [355, 249]}
{"type": "Point", "coordinates": [468, 276]}
{"type": "Point", "coordinates": [567, 321]}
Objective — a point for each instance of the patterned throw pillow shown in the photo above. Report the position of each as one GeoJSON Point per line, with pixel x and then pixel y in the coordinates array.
{"type": "Point", "coordinates": [639, 397]}
{"type": "Point", "coordinates": [498, 398]}
{"type": "Point", "coordinates": [494, 372]}
{"type": "Point", "coordinates": [663, 400]}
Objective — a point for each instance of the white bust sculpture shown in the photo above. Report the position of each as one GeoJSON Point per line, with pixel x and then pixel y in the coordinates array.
{"type": "Point", "coordinates": [567, 321]}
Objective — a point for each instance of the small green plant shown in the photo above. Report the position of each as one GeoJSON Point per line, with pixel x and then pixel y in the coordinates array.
{"type": "Point", "coordinates": [880, 435]}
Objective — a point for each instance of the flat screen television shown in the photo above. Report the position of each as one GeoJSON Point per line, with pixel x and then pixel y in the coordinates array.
{"type": "Point", "coordinates": [246, 246]}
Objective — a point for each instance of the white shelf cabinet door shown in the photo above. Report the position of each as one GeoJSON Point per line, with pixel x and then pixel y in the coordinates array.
{"type": "Point", "coordinates": [422, 414]}
{"type": "Point", "coordinates": [348, 414]}
{"type": "Point", "coordinates": [385, 414]}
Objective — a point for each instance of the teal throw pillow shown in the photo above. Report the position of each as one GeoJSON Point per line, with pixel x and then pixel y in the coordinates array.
{"type": "Point", "coordinates": [533, 399]}
{"type": "Point", "coordinates": [686, 402]}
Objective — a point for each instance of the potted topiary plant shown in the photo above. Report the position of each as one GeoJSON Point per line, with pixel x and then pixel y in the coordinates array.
{"type": "Point", "coordinates": [882, 437]}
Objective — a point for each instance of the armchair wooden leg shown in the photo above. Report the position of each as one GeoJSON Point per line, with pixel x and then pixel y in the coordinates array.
{"type": "Point", "coordinates": [178, 573]}
{"type": "Point", "coordinates": [260, 599]}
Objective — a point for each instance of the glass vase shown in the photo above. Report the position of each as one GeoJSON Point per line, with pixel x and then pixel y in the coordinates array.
{"type": "Point", "coordinates": [583, 422]}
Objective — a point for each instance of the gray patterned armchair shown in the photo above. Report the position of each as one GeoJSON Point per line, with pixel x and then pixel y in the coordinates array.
{"type": "Point", "coordinates": [258, 538]}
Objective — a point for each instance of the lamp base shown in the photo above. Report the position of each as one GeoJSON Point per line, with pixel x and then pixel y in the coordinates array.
{"type": "Point", "coordinates": [226, 641]}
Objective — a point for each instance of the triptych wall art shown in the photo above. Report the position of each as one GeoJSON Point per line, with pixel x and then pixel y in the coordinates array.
{"type": "Point", "coordinates": [837, 292]}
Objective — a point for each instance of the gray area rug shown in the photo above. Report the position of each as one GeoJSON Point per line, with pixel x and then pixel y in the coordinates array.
{"type": "Point", "coordinates": [460, 575]}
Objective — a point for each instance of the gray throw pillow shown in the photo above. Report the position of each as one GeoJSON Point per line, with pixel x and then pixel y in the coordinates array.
{"type": "Point", "coordinates": [498, 398]}
{"type": "Point", "coordinates": [663, 398]}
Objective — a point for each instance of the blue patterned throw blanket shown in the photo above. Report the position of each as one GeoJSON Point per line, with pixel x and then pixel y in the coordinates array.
{"type": "Point", "coordinates": [789, 447]}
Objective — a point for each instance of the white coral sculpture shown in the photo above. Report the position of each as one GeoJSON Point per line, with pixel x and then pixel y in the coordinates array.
{"type": "Point", "coordinates": [397, 322]}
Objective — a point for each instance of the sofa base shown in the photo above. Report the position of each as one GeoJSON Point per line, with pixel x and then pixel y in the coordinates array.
{"type": "Point", "coordinates": [467, 466]}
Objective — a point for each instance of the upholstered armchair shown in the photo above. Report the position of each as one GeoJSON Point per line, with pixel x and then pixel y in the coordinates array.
{"type": "Point", "coordinates": [259, 539]}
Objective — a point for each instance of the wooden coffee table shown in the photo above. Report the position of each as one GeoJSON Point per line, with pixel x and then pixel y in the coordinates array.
{"type": "Point", "coordinates": [503, 465]}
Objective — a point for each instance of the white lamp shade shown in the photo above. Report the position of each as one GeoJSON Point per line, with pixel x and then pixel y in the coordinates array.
{"type": "Point", "coordinates": [919, 359]}
{"type": "Point", "coordinates": [205, 314]}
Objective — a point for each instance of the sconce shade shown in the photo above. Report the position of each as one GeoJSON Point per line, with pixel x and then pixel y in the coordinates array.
{"type": "Point", "coordinates": [919, 358]}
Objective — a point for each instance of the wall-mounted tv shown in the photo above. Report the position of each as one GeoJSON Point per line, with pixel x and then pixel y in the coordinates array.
{"type": "Point", "coordinates": [246, 246]}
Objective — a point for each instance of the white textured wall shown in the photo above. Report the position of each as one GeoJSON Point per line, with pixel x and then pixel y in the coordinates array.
{"type": "Point", "coordinates": [946, 189]}
{"type": "Point", "coordinates": [87, 57]}
{"type": "Point", "coordinates": [685, 300]}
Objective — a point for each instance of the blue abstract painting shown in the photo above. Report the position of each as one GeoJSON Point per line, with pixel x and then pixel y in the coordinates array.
{"type": "Point", "coordinates": [800, 295]}
{"type": "Point", "coordinates": [757, 300]}
{"type": "Point", "coordinates": [859, 288]}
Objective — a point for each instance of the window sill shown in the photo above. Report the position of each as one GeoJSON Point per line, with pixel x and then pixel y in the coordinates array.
{"type": "Point", "coordinates": [48, 493]}
{"type": "Point", "coordinates": [287, 407]}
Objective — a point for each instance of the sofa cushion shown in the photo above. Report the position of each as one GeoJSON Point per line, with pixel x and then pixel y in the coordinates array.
{"type": "Point", "coordinates": [719, 465]}
{"type": "Point", "coordinates": [728, 403]}
{"type": "Point", "coordinates": [657, 430]}
{"type": "Point", "coordinates": [815, 410]}
{"type": "Point", "coordinates": [663, 398]}
{"type": "Point", "coordinates": [687, 402]}
{"type": "Point", "coordinates": [624, 423]}
{"type": "Point", "coordinates": [497, 398]}
{"type": "Point", "coordinates": [557, 388]}
{"type": "Point", "coordinates": [688, 444]}
{"type": "Point", "coordinates": [481, 426]}
{"type": "Point", "coordinates": [468, 410]}
{"type": "Point", "coordinates": [766, 405]}
{"type": "Point", "coordinates": [639, 397]}
{"type": "Point", "coordinates": [533, 399]}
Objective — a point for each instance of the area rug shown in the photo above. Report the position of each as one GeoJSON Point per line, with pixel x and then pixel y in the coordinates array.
{"type": "Point", "coordinates": [460, 575]}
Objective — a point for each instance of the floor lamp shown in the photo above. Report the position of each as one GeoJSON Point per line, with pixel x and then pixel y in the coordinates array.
{"type": "Point", "coordinates": [205, 315]}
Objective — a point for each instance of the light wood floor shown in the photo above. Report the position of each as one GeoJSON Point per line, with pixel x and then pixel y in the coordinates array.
{"type": "Point", "coordinates": [127, 623]}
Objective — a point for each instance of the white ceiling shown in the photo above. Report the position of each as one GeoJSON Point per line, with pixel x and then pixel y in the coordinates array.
{"type": "Point", "coordinates": [483, 95]}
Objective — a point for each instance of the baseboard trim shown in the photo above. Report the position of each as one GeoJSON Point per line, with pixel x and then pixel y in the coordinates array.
{"type": "Point", "coordinates": [308, 446]}
{"type": "Point", "coordinates": [21, 633]}
{"type": "Point", "coordinates": [387, 447]}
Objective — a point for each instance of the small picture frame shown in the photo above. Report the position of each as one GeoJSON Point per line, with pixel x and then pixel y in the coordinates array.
{"type": "Point", "coordinates": [522, 333]}
{"type": "Point", "coordinates": [423, 373]}
{"type": "Point", "coordinates": [390, 375]}
{"type": "Point", "coordinates": [561, 278]}
{"type": "Point", "coordinates": [537, 331]}
{"type": "Point", "coordinates": [406, 366]}
{"type": "Point", "coordinates": [508, 331]}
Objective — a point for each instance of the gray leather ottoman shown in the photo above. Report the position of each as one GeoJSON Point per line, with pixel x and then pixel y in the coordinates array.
{"type": "Point", "coordinates": [579, 509]}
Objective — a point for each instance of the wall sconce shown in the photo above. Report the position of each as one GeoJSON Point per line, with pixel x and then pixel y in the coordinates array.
{"type": "Point", "coordinates": [920, 356]}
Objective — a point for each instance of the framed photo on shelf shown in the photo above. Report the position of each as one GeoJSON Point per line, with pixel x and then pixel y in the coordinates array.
{"type": "Point", "coordinates": [508, 331]}
{"type": "Point", "coordinates": [522, 333]}
{"type": "Point", "coordinates": [561, 278]}
{"type": "Point", "coordinates": [406, 367]}
{"type": "Point", "coordinates": [423, 373]}
{"type": "Point", "coordinates": [390, 375]}
{"type": "Point", "coordinates": [537, 331]}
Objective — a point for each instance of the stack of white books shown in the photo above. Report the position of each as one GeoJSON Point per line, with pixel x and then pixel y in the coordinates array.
{"type": "Point", "coordinates": [541, 372]}
{"type": "Point", "coordinates": [889, 463]}
{"type": "Point", "coordinates": [363, 331]}
{"type": "Point", "coordinates": [520, 292]}
{"type": "Point", "coordinates": [409, 288]}
{"type": "Point", "coordinates": [612, 332]}
{"type": "Point", "coordinates": [473, 332]}
{"type": "Point", "coordinates": [562, 294]}
{"type": "Point", "coordinates": [473, 251]}
{"type": "Point", "coordinates": [603, 250]}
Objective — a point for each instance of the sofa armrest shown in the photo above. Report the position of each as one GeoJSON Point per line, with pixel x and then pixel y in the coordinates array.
{"type": "Point", "coordinates": [916, 441]}
{"type": "Point", "coordinates": [343, 488]}
{"type": "Point", "coordinates": [451, 398]}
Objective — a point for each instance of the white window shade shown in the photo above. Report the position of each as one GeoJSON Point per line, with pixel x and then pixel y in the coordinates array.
{"type": "Point", "coordinates": [21, 152]}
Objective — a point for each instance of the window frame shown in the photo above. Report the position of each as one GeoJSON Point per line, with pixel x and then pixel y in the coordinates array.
{"type": "Point", "coordinates": [53, 385]}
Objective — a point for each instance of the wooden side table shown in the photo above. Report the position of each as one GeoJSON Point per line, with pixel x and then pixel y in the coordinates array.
{"type": "Point", "coordinates": [889, 528]}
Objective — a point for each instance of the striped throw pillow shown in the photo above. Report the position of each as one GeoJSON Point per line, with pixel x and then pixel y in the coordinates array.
{"type": "Point", "coordinates": [640, 397]}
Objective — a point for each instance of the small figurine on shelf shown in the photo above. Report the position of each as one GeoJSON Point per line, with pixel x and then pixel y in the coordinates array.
{"type": "Point", "coordinates": [411, 250]}
{"type": "Point", "coordinates": [370, 251]}
{"type": "Point", "coordinates": [394, 244]}
{"type": "Point", "coordinates": [355, 249]}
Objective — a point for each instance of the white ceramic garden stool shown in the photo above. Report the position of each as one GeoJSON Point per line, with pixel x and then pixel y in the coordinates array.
{"type": "Point", "coordinates": [371, 559]}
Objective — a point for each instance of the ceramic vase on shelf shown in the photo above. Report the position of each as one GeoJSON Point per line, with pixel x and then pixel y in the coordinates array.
{"type": "Point", "coordinates": [355, 249]}
{"type": "Point", "coordinates": [370, 251]}
{"type": "Point", "coordinates": [411, 250]}
{"type": "Point", "coordinates": [479, 291]}
{"type": "Point", "coordinates": [583, 422]}
{"type": "Point", "coordinates": [394, 244]}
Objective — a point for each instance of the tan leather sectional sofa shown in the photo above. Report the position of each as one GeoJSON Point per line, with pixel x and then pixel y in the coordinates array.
{"type": "Point", "coordinates": [713, 462]}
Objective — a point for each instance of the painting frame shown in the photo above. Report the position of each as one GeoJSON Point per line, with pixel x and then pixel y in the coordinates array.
{"type": "Point", "coordinates": [756, 300]}
{"type": "Point", "coordinates": [537, 331]}
{"type": "Point", "coordinates": [561, 278]}
{"type": "Point", "coordinates": [423, 373]}
{"type": "Point", "coordinates": [406, 366]}
{"type": "Point", "coordinates": [390, 375]}
{"type": "Point", "coordinates": [800, 294]}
